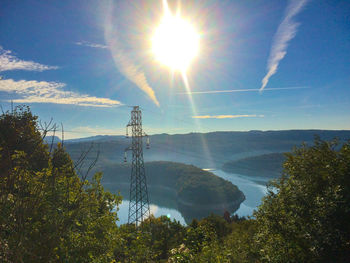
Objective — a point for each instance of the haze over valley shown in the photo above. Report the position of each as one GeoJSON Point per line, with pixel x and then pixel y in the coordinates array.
{"type": "Point", "coordinates": [245, 159]}
{"type": "Point", "coordinates": [174, 131]}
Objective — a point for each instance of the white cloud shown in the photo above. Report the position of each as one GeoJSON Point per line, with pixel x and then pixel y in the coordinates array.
{"type": "Point", "coordinates": [93, 45]}
{"type": "Point", "coordinates": [11, 62]}
{"type": "Point", "coordinates": [226, 116]}
{"type": "Point", "coordinates": [286, 32]}
{"type": "Point", "coordinates": [51, 92]}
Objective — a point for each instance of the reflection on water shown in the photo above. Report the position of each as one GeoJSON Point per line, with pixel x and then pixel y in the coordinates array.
{"type": "Point", "coordinates": [164, 202]}
{"type": "Point", "coordinates": [155, 210]}
{"type": "Point", "coordinates": [252, 190]}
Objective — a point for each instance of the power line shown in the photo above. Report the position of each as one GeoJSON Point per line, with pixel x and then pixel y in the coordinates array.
{"type": "Point", "coordinates": [189, 154]}
{"type": "Point", "coordinates": [192, 154]}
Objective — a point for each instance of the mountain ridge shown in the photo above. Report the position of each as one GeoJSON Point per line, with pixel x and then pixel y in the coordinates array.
{"type": "Point", "coordinates": [207, 150]}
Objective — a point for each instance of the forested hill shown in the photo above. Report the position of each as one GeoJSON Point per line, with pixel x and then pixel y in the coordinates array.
{"type": "Point", "coordinates": [189, 189]}
{"type": "Point", "coordinates": [207, 150]}
{"type": "Point", "coordinates": [190, 183]}
{"type": "Point", "coordinates": [265, 165]}
{"type": "Point", "coordinates": [49, 214]}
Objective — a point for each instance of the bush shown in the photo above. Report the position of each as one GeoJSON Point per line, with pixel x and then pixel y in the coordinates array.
{"type": "Point", "coordinates": [306, 215]}
{"type": "Point", "coordinates": [48, 214]}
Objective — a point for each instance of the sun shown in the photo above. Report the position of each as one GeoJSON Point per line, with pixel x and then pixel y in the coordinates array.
{"type": "Point", "coordinates": [175, 42]}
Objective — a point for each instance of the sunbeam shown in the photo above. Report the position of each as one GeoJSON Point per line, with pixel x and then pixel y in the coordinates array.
{"type": "Point", "coordinates": [206, 150]}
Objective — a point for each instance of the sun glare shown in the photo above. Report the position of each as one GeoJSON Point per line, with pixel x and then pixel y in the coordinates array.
{"type": "Point", "coordinates": [175, 42]}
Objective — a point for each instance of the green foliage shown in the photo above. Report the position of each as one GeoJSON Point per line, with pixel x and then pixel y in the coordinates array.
{"type": "Point", "coordinates": [239, 246]}
{"type": "Point", "coordinates": [304, 218]}
{"type": "Point", "coordinates": [214, 240]}
{"type": "Point", "coordinates": [180, 254]}
{"type": "Point", "coordinates": [220, 227]}
{"type": "Point", "coordinates": [150, 242]}
{"type": "Point", "coordinates": [18, 132]}
{"type": "Point", "coordinates": [48, 214]}
{"type": "Point", "coordinates": [306, 215]}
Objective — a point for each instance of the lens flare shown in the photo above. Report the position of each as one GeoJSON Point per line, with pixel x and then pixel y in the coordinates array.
{"type": "Point", "coordinates": [175, 42]}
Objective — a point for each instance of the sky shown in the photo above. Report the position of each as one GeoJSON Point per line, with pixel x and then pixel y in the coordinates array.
{"type": "Point", "coordinates": [261, 65]}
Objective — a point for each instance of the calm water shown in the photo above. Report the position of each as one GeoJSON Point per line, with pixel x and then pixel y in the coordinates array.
{"type": "Point", "coordinates": [251, 189]}
{"type": "Point", "coordinates": [155, 210]}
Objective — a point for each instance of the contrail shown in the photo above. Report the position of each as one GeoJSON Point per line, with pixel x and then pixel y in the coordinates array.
{"type": "Point", "coordinates": [239, 90]}
{"type": "Point", "coordinates": [226, 116]}
{"type": "Point", "coordinates": [286, 32]}
{"type": "Point", "coordinates": [125, 65]}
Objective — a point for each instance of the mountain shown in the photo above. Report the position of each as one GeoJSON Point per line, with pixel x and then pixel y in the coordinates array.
{"type": "Point", "coordinates": [265, 165]}
{"type": "Point", "coordinates": [52, 139]}
{"type": "Point", "coordinates": [97, 138]}
{"type": "Point", "coordinates": [206, 150]}
{"type": "Point", "coordinates": [189, 189]}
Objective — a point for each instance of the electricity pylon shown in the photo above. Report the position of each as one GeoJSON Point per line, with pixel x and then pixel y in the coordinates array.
{"type": "Point", "coordinates": [139, 203]}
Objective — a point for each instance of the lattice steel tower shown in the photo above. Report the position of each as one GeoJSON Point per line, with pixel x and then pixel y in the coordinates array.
{"type": "Point", "coordinates": [139, 203]}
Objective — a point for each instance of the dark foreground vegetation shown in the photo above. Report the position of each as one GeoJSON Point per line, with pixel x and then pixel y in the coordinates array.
{"type": "Point", "coordinates": [50, 214]}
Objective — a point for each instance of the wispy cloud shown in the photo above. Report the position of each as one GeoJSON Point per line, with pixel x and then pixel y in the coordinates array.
{"type": "Point", "coordinates": [286, 32]}
{"type": "Point", "coordinates": [124, 63]}
{"type": "Point", "coordinates": [89, 44]}
{"type": "Point", "coordinates": [239, 90]}
{"type": "Point", "coordinates": [227, 116]}
{"type": "Point", "coordinates": [11, 62]}
{"type": "Point", "coordinates": [134, 74]}
{"type": "Point", "coordinates": [51, 92]}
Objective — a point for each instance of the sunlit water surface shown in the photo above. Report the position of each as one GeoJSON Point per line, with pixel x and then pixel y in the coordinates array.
{"type": "Point", "coordinates": [252, 190]}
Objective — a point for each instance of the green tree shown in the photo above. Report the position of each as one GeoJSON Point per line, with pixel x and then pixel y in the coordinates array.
{"type": "Point", "coordinates": [149, 242]}
{"type": "Point", "coordinates": [232, 242]}
{"type": "Point", "coordinates": [239, 246]}
{"type": "Point", "coordinates": [306, 215]}
{"type": "Point", "coordinates": [48, 214]}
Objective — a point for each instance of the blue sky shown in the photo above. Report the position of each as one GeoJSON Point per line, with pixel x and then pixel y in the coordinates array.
{"type": "Point", "coordinates": [83, 62]}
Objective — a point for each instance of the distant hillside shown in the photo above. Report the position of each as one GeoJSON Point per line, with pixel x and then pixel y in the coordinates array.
{"type": "Point", "coordinates": [206, 150]}
{"type": "Point", "coordinates": [266, 165]}
{"type": "Point", "coordinates": [52, 139]}
{"type": "Point", "coordinates": [190, 183]}
{"type": "Point", "coordinates": [97, 138]}
{"type": "Point", "coordinates": [195, 192]}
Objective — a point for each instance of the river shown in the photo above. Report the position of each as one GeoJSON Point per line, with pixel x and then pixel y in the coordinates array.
{"type": "Point", "coordinates": [252, 190]}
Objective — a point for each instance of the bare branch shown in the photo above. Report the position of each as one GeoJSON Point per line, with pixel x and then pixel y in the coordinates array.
{"type": "Point", "coordinates": [53, 137]}
{"type": "Point", "coordinates": [46, 127]}
{"type": "Point", "coordinates": [62, 138]}
{"type": "Point", "coordinates": [82, 156]}
{"type": "Point", "coordinates": [92, 164]}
